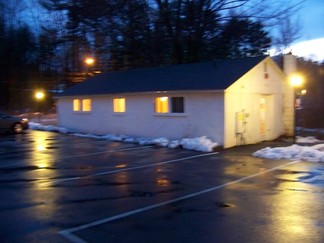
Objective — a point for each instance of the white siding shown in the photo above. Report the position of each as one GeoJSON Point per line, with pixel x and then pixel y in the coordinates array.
{"type": "Point", "coordinates": [204, 115]}
{"type": "Point", "coordinates": [243, 98]}
{"type": "Point", "coordinates": [230, 118]}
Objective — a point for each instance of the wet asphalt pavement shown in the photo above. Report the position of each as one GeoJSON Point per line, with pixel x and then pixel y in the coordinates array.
{"type": "Point", "coordinates": [61, 188]}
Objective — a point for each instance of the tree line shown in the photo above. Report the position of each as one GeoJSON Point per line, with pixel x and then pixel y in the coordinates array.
{"type": "Point", "coordinates": [125, 34]}
{"type": "Point", "coordinates": [132, 34]}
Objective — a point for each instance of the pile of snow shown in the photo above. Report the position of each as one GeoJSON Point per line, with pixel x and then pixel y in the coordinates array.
{"type": "Point", "coordinates": [202, 144]}
{"type": "Point", "coordinates": [309, 139]}
{"type": "Point", "coordinates": [316, 130]}
{"type": "Point", "coordinates": [313, 153]}
{"type": "Point", "coordinates": [50, 128]}
{"type": "Point", "coordinates": [199, 144]}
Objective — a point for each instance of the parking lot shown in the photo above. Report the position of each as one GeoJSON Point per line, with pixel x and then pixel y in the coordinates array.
{"type": "Point", "coordinates": [63, 188]}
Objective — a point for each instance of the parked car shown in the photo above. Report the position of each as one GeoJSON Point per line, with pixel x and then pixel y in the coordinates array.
{"type": "Point", "coordinates": [13, 124]}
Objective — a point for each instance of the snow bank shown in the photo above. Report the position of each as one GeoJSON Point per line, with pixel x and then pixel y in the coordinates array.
{"type": "Point", "coordinates": [316, 130]}
{"type": "Point", "coordinates": [50, 128]}
{"type": "Point", "coordinates": [199, 144]}
{"type": "Point", "coordinates": [313, 153]}
{"type": "Point", "coordinates": [309, 139]}
{"type": "Point", "coordinates": [202, 144]}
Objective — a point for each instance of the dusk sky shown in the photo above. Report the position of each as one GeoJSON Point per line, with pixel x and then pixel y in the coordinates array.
{"type": "Point", "coordinates": [311, 16]}
{"type": "Point", "coordinates": [312, 19]}
{"type": "Point", "coordinates": [311, 43]}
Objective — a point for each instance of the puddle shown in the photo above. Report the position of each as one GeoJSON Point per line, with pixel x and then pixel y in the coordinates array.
{"type": "Point", "coordinates": [22, 206]}
{"type": "Point", "coordinates": [315, 176]}
{"type": "Point", "coordinates": [25, 168]}
{"type": "Point", "coordinates": [297, 190]}
{"type": "Point", "coordinates": [224, 205]}
{"type": "Point", "coordinates": [52, 147]}
{"type": "Point", "coordinates": [89, 200]}
{"type": "Point", "coordinates": [320, 224]}
{"type": "Point", "coordinates": [141, 194]}
{"type": "Point", "coordinates": [10, 181]}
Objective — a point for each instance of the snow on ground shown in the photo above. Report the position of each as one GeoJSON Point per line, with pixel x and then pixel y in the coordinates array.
{"type": "Point", "coordinates": [309, 139]}
{"type": "Point", "coordinates": [317, 130]}
{"type": "Point", "coordinates": [202, 144]}
{"type": "Point", "coordinates": [313, 153]}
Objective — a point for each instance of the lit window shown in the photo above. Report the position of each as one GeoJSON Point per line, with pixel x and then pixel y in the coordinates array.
{"type": "Point", "coordinates": [76, 105]}
{"type": "Point", "coordinates": [161, 105]}
{"type": "Point", "coordinates": [86, 105]}
{"type": "Point", "coordinates": [119, 105]}
{"type": "Point", "coordinates": [172, 104]}
{"type": "Point", "coordinates": [82, 105]}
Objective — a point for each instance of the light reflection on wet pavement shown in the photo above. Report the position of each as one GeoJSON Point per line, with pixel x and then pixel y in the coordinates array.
{"type": "Point", "coordinates": [52, 182]}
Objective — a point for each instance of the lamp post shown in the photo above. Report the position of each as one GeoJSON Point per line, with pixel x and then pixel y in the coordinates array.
{"type": "Point", "coordinates": [296, 81]}
{"type": "Point", "coordinates": [89, 61]}
{"type": "Point", "coordinates": [39, 95]}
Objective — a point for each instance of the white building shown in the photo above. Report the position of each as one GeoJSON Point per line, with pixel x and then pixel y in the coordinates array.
{"type": "Point", "coordinates": [232, 102]}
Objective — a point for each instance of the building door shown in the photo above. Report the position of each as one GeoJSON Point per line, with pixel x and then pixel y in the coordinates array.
{"type": "Point", "coordinates": [263, 117]}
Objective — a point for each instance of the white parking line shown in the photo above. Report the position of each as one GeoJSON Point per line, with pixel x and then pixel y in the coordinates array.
{"type": "Point", "coordinates": [69, 233]}
{"type": "Point", "coordinates": [128, 169]}
{"type": "Point", "coordinates": [83, 155]}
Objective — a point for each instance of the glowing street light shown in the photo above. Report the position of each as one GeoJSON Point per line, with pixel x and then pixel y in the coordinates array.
{"type": "Point", "coordinates": [296, 81]}
{"type": "Point", "coordinates": [39, 95]}
{"type": "Point", "coordinates": [89, 61]}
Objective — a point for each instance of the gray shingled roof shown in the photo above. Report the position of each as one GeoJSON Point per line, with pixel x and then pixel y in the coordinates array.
{"type": "Point", "coordinates": [216, 75]}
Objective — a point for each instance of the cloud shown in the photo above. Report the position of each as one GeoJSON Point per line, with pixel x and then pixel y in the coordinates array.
{"type": "Point", "coordinates": [312, 49]}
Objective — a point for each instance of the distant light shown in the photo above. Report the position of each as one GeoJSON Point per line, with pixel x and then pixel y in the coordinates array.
{"type": "Point", "coordinates": [303, 92]}
{"type": "Point", "coordinates": [89, 61]}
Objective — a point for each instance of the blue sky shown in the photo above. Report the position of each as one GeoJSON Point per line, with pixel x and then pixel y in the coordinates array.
{"type": "Point", "coordinates": [311, 43]}
{"type": "Point", "coordinates": [311, 17]}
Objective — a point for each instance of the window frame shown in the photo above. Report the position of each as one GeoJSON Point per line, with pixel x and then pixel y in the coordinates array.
{"type": "Point", "coordinates": [76, 105]}
{"type": "Point", "coordinates": [176, 106]}
{"type": "Point", "coordinates": [86, 105]}
{"type": "Point", "coordinates": [161, 105]}
{"type": "Point", "coordinates": [173, 107]}
{"type": "Point", "coordinates": [82, 106]}
{"type": "Point", "coordinates": [119, 105]}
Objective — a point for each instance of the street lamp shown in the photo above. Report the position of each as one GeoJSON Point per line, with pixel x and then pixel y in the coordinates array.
{"type": "Point", "coordinates": [296, 81]}
{"type": "Point", "coordinates": [39, 95]}
{"type": "Point", "coordinates": [89, 61]}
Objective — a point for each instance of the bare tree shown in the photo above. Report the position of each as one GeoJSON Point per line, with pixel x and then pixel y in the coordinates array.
{"type": "Point", "coordinates": [288, 32]}
{"type": "Point", "coordinates": [140, 33]}
{"type": "Point", "coordinates": [10, 10]}
{"type": "Point", "coordinates": [189, 28]}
